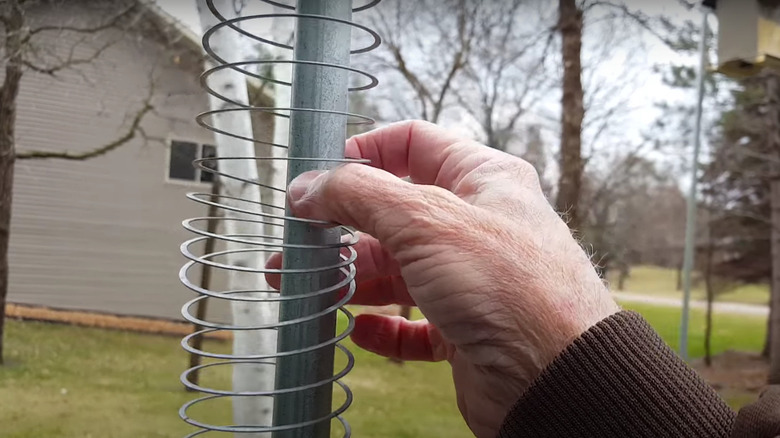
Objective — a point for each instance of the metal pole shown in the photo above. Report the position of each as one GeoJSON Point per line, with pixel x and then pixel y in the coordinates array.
{"type": "Point", "coordinates": [321, 135]}
{"type": "Point", "coordinates": [690, 222]}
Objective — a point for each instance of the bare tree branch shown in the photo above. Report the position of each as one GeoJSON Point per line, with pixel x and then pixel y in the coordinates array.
{"type": "Point", "coordinates": [622, 169]}
{"type": "Point", "coordinates": [133, 130]}
{"type": "Point", "coordinates": [452, 39]}
{"type": "Point", "coordinates": [417, 85]}
{"type": "Point", "coordinates": [466, 34]}
{"type": "Point", "coordinates": [643, 20]}
{"type": "Point", "coordinates": [746, 151]}
{"type": "Point", "coordinates": [110, 23]}
{"type": "Point", "coordinates": [70, 62]}
{"type": "Point", "coordinates": [505, 72]}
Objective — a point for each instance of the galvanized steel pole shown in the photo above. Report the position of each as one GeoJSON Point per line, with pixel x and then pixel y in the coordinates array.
{"type": "Point", "coordinates": [690, 222]}
{"type": "Point", "coordinates": [312, 135]}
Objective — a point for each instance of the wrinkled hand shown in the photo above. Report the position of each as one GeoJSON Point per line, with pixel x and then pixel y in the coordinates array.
{"type": "Point", "coordinates": [474, 244]}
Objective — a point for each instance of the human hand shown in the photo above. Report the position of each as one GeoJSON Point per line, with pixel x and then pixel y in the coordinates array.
{"type": "Point", "coordinates": [474, 244]}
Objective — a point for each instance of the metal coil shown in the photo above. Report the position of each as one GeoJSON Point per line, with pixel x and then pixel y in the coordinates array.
{"type": "Point", "coordinates": [252, 212]}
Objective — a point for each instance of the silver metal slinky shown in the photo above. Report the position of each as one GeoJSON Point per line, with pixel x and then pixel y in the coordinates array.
{"type": "Point", "coordinates": [317, 272]}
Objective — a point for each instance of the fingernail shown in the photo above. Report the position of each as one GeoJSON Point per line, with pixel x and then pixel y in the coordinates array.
{"type": "Point", "coordinates": [300, 185]}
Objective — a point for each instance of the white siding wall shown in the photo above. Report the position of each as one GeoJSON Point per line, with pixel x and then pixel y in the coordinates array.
{"type": "Point", "coordinates": [104, 234]}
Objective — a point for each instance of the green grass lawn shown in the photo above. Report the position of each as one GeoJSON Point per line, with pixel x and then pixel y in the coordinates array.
{"type": "Point", "coordinates": [65, 381]}
{"type": "Point", "coordinates": [730, 332]}
{"type": "Point", "coordinates": [651, 280]}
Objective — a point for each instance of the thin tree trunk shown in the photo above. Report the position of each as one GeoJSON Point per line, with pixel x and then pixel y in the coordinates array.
{"type": "Point", "coordinates": [774, 316]}
{"type": "Point", "coordinates": [277, 169]}
{"type": "Point", "coordinates": [710, 299]}
{"type": "Point", "coordinates": [572, 113]}
{"type": "Point", "coordinates": [623, 275]}
{"type": "Point", "coordinates": [8, 94]}
{"type": "Point", "coordinates": [768, 337]}
{"type": "Point", "coordinates": [248, 376]}
{"type": "Point", "coordinates": [6, 195]}
{"type": "Point", "coordinates": [773, 127]}
{"type": "Point", "coordinates": [679, 277]}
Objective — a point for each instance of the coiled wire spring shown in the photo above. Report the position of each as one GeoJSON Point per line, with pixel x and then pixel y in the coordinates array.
{"type": "Point", "coordinates": [263, 214]}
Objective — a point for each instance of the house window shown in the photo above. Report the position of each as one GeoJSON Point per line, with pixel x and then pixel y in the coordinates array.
{"type": "Point", "coordinates": [182, 154]}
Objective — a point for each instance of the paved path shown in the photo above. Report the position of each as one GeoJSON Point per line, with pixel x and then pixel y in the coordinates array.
{"type": "Point", "coordinates": [719, 307]}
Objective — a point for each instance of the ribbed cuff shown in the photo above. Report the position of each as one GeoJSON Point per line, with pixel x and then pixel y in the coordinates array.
{"type": "Point", "coordinates": [760, 419]}
{"type": "Point", "coordinates": [619, 379]}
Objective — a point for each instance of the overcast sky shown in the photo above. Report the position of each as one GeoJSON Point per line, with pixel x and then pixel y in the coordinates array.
{"type": "Point", "coordinates": [645, 90]}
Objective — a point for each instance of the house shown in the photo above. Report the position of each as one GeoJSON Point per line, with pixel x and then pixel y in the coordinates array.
{"type": "Point", "coordinates": [103, 234]}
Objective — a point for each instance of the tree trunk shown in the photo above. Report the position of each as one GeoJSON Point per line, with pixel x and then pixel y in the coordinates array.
{"type": "Point", "coordinates": [14, 35]}
{"type": "Point", "coordinates": [774, 316]}
{"type": "Point", "coordinates": [572, 113]}
{"type": "Point", "coordinates": [250, 376]}
{"type": "Point", "coordinates": [679, 285]}
{"type": "Point", "coordinates": [623, 275]}
{"type": "Point", "coordinates": [768, 337]}
{"type": "Point", "coordinates": [6, 195]}
{"type": "Point", "coordinates": [773, 136]}
{"type": "Point", "coordinates": [277, 169]}
{"type": "Point", "coordinates": [710, 299]}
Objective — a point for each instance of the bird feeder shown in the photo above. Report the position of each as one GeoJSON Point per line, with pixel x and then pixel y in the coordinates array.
{"type": "Point", "coordinates": [748, 36]}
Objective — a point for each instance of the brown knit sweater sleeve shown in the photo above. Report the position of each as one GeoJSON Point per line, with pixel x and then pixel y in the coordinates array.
{"type": "Point", "coordinates": [619, 379]}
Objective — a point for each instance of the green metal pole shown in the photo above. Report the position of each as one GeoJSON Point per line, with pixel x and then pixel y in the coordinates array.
{"type": "Point", "coordinates": [690, 222]}
{"type": "Point", "coordinates": [312, 135]}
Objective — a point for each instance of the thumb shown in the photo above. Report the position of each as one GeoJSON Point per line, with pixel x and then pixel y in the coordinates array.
{"type": "Point", "coordinates": [370, 200]}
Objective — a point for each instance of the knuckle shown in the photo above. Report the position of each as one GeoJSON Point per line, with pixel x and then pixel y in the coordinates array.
{"type": "Point", "coordinates": [343, 179]}
{"type": "Point", "coordinates": [527, 172]}
{"type": "Point", "coordinates": [498, 171]}
{"type": "Point", "coordinates": [519, 170]}
{"type": "Point", "coordinates": [420, 124]}
{"type": "Point", "coordinates": [360, 194]}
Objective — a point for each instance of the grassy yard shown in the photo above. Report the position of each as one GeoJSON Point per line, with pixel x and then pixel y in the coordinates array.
{"type": "Point", "coordinates": [731, 332]}
{"type": "Point", "coordinates": [651, 280]}
{"type": "Point", "coordinates": [65, 381]}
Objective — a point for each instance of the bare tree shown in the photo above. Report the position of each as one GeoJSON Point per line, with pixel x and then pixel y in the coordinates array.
{"type": "Point", "coordinates": [427, 44]}
{"type": "Point", "coordinates": [26, 48]}
{"type": "Point", "coordinates": [711, 256]}
{"type": "Point", "coordinates": [611, 216]}
{"type": "Point", "coordinates": [772, 126]}
{"type": "Point", "coordinates": [536, 154]}
{"type": "Point", "coordinates": [591, 105]}
{"type": "Point", "coordinates": [506, 76]}
{"type": "Point", "coordinates": [570, 26]}
{"type": "Point", "coordinates": [475, 55]}
{"type": "Point", "coordinates": [709, 285]}
{"type": "Point", "coordinates": [741, 183]}
{"type": "Point", "coordinates": [484, 58]}
{"type": "Point", "coordinates": [232, 85]}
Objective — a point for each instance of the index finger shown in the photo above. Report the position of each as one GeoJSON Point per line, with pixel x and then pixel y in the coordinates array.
{"type": "Point", "coordinates": [427, 153]}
